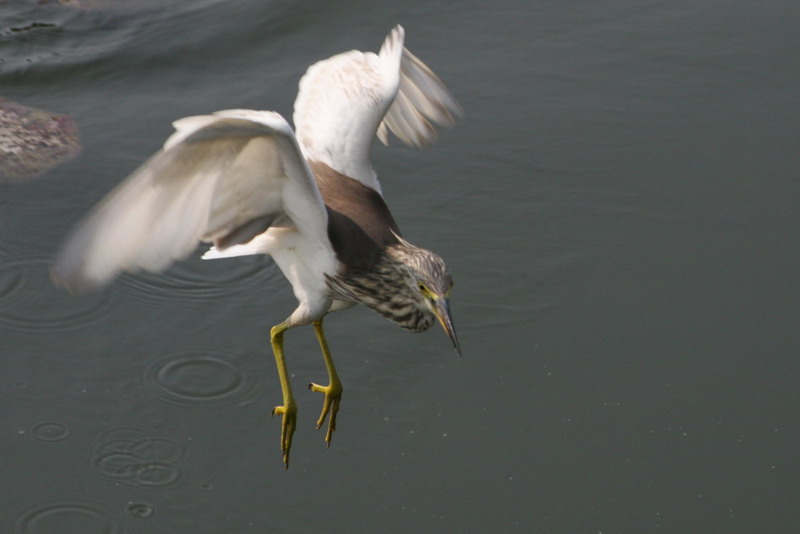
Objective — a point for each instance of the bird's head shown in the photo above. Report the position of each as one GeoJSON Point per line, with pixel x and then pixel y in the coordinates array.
{"type": "Point", "coordinates": [432, 284]}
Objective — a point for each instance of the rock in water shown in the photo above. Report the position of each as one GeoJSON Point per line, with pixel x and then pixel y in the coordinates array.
{"type": "Point", "coordinates": [33, 141]}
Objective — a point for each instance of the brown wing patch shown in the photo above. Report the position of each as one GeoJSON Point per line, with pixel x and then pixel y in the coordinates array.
{"type": "Point", "coordinates": [360, 225]}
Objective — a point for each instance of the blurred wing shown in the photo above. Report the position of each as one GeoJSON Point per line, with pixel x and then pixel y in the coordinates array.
{"type": "Point", "coordinates": [421, 98]}
{"type": "Point", "coordinates": [348, 99]}
{"type": "Point", "coordinates": [225, 178]}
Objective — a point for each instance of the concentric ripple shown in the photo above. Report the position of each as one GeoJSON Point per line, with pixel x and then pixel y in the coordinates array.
{"type": "Point", "coordinates": [62, 517]}
{"type": "Point", "coordinates": [200, 379]}
{"type": "Point", "coordinates": [51, 431]}
{"type": "Point", "coordinates": [196, 280]}
{"type": "Point", "coordinates": [131, 457]}
{"type": "Point", "coordinates": [30, 302]}
{"type": "Point", "coordinates": [139, 509]}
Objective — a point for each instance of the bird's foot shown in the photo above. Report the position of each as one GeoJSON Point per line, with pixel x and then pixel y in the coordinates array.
{"type": "Point", "coordinates": [288, 424]}
{"type": "Point", "coordinates": [333, 394]}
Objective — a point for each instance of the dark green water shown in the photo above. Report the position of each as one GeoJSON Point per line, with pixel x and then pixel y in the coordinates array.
{"type": "Point", "coordinates": [619, 208]}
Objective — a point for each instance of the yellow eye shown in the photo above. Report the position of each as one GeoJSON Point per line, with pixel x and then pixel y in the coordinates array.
{"type": "Point", "coordinates": [423, 289]}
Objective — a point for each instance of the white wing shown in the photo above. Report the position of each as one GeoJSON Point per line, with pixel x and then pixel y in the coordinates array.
{"type": "Point", "coordinates": [225, 177]}
{"type": "Point", "coordinates": [421, 96]}
{"type": "Point", "coordinates": [345, 101]}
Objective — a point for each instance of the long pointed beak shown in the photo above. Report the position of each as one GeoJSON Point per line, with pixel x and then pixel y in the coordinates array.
{"type": "Point", "coordinates": [442, 308]}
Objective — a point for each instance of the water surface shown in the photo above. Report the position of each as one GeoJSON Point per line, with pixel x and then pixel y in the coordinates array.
{"type": "Point", "coordinates": [619, 210]}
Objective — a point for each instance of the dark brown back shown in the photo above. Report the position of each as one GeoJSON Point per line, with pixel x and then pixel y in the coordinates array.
{"type": "Point", "coordinates": [360, 225]}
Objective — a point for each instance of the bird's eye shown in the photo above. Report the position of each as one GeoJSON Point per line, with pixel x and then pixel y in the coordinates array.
{"type": "Point", "coordinates": [422, 288]}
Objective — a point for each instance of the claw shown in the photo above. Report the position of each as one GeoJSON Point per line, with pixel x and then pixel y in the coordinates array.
{"type": "Point", "coordinates": [333, 391]}
{"type": "Point", "coordinates": [288, 409]}
{"type": "Point", "coordinates": [288, 425]}
{"type": "Point", "coordinates": [333, 395]}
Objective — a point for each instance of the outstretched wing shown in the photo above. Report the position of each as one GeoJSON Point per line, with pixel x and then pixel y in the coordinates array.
{"type": "Point", "coordinates": [421, 98]}
{"type": "Point", "coordinates": [348, 99]}
{"type": "Point", "coordinates": [224, 178]}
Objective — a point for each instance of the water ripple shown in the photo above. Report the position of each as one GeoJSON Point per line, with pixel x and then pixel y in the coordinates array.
{"type": "Point", "coordinates": [131, 457]}
{"type": "Point", "coordinates": [51, 431]}
{"type": "Point", "coordinates": [139, 509]}
{"type": "Point", "coordinates": [203, 378]}
{"type": "Point", "coordinates": [67, 516]}
{"type": "Point", "coordinates": [29, 302]}
{"type": "Point", "coordinates": [194, 280]}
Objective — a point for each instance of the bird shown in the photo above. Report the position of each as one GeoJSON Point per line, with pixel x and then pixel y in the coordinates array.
{"type": "Point", "coordinates": [246, 182]}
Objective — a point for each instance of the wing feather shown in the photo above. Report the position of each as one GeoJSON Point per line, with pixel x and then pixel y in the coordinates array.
{"type": "Point", "coordinates": [220, 177]}
{"type": "Point", "coordinates": [421, 97]}
{"type": "Point", "coordinates": [345, 101]}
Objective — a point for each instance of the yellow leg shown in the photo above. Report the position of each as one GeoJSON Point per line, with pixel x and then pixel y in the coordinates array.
{"type": "Point", "coordinates": [333, 391]}
{"type": "Point", "coordinates": [289, 407]}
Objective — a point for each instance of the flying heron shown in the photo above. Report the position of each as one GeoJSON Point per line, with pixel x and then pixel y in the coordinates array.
{"type": "Point", "coordinates": [244, 181]}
